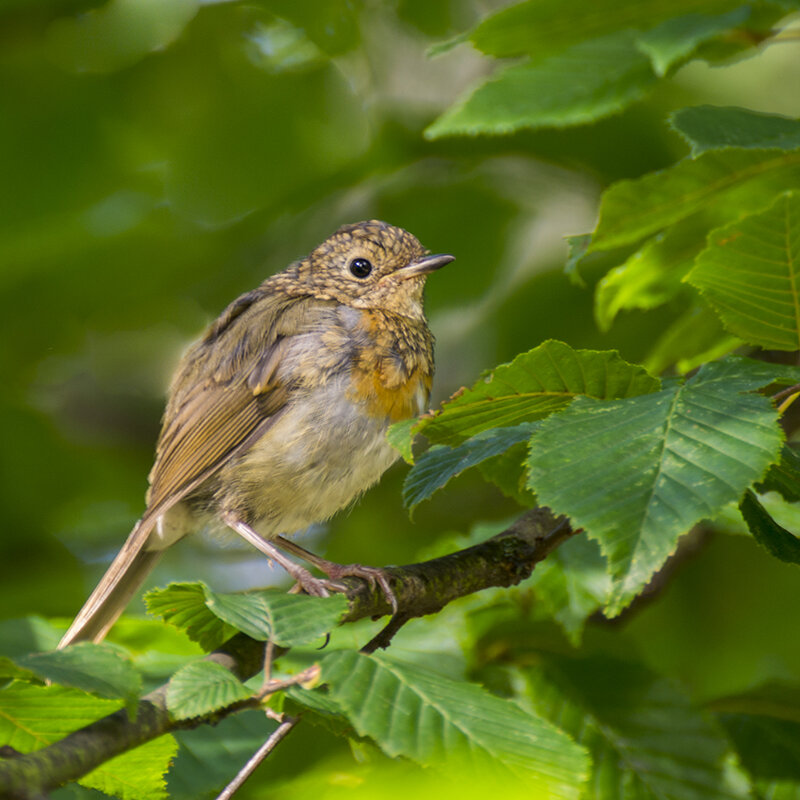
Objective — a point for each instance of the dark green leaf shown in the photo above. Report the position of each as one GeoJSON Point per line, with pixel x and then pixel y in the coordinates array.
{"type": "Point", "coordinates": [202, 687]}
{"type": "Point", "coordinates": [647, 741]}
{"type": "Point", "coordinates": [772, 537]}
{"type": "Point", "coordinates": [784, 477]}
{"type": "Point", "coordinates": [714, 127]}
{"type": "Point", "coordinates": [638, 473]}
{"type": "Point", "coordinates": [437, 466]}
{"type": "Point", "coordinates": [428, 718]}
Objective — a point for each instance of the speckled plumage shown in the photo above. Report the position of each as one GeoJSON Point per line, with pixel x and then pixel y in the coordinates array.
{"type": "Point", "coordinates": [277, 417]}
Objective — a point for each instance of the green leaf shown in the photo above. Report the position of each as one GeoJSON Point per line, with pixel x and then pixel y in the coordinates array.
{"type": "Point", "coordinates": [428, 718]}
{"type": "Point", "coordinates": [571, 584]}
{"type": "Point", "coordinates": [764, 725]}
{"type": "Point", "coordinates": [714, 127]}
{"type": "Point", "coordinates": [647, 740]}
{"type": "Point", "coordinates": [184, 606]}
{"type": "Point", "coordinates": [401, 437]}
{"type": "Point", "coordinates": [591, 80]}
{"type": "Point", "coordinates": [437, 466]}
{"type": "Point", "coordinates": [577, 247]}
{"type": "Point", "coordinates": [736, 180]}
{"type": "Point", "coordinates": [638, 473]}
{"type": "Point", "coordinates": [784, 477]}
{"type": "Point", "coordinates": [696, 337]}
{"type": "Point", "coordinates": [750, 275]}
{"type": "Point", "coordinates": [201, 687]}
{"type": "Point", "coordinates": [674, 40]}
{"type": "Point", "coordinates": [776, 540]}
{"type": "Point", "coordinates": [653, 274]}
{"type": "Point", "coordinates": [320, 709]}
{"type": "Point", "coordinates": [508, 471]}
{"type": "Point", "coordinates": [33, 717]}
{"type": "Point", "coordinates": [532, 386]}
{"type": "Point", "coordinates": [541, 26]}
{"type": "Point", "coordinates": [97, 668]}
{"type": "Point", "coordinates": [288, 620]}
{"type": "Point", "coordinates": [210, 618]}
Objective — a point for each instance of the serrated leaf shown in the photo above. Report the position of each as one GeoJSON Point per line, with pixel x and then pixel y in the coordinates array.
{"type": "Point", "coordinates": [210, 618]}
{"type": "Point", "coordinates": [638, 473]}
{"type": "Point", "coordinates": [647, 741]}
{"type": "Point", "coordinates": [674, 40]}
{"type": "Point", "coordinates": [737, 179]}
{"type": "Point", "coordinates": [776, 540]}
{"type": "Point", "coordinates": [437, 466]}
{"type": "Point", "coordinates": [532, 386]}
{"type": "Point", "coordinates": [508, 472]}
{"type": "Point", "coordinates": [288, 620]}
{"type": "Point", "coordinates": [97, 668]}
{"type": "Point", "coordinates": [184, 606]}
{"type": "Point", "coordinates": [750, 273]}
{"type": "Point", "coordinates": [784, 477]}
{"type": "Point", "coordinates": [653, 274]}
{"type": "Point", "coordinates": [713, 127]}
{"type": "Point", "coordinates": [201, 687]}
{"type": "Point", "coordinates": [138, 774]}
{"type": "Point", "coordinates": [590, 80]}
{"type": "Point", "coordinates": [428, 718]}
{"type": "Point", "coordinates": [32, 717]}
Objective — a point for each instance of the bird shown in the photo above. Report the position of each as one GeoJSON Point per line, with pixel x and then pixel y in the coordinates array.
{"type": "Point", "coordinates": [276, 417]}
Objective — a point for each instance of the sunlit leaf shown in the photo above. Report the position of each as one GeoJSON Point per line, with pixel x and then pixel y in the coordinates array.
{"type": "Point", "coordinates": [32, 717]}
{"type": "Point", "coordinates": [428, 718]}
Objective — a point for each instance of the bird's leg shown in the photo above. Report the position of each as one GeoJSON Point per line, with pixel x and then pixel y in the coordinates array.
{"type": "Point", "coordinates": [310, 584]}
{"type": "Point", "coordinates": [374, 575]}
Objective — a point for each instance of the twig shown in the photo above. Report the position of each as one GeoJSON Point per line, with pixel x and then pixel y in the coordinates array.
{"type": "Point", "coordinates": [250, 767]}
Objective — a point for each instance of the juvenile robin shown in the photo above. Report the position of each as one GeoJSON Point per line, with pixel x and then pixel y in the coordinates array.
{"type": "Point", "coordinates": [276, 418]}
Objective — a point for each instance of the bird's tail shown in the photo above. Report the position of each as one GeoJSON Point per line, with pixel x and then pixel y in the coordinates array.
{"type": "Point", "coordinates": [109, 599]}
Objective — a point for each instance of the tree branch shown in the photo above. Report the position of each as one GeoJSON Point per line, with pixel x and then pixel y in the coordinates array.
{"type": "Point", "coordinates": [420, 589]}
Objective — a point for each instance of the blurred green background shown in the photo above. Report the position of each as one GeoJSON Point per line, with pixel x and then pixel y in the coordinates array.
{"type": "Point", "coordinates": [159, 157]}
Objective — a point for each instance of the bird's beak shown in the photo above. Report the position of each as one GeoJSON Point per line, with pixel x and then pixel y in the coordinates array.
{"type": "Point", "coordinates": [424, 266]}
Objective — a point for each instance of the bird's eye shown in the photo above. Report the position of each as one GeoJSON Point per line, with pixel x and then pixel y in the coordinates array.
{"type": "Point", "coordinates": [360, 267]}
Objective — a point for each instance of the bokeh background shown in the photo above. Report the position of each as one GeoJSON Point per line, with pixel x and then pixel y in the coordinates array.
{"type": "Point", "coordinates": [160, 157]}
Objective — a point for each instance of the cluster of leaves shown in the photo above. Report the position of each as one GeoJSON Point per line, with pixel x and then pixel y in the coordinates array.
{"type": "Point", "coordinates": [634, 459]}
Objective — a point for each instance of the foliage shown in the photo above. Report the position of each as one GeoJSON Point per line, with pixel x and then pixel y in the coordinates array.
{"type": "Point", "coordinates": [160, 158]}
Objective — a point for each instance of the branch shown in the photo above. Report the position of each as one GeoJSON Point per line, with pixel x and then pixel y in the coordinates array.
{"type": "Point", "coordinates": [420, 589]}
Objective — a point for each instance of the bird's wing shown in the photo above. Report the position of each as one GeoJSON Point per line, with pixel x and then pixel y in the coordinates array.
{"type": "Point", "coordinates": [225, 395]}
